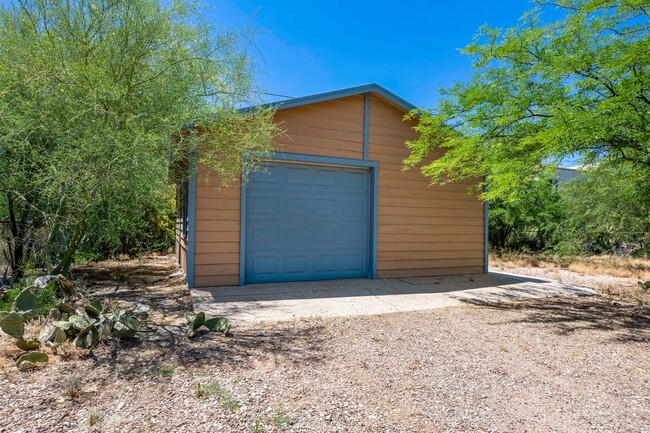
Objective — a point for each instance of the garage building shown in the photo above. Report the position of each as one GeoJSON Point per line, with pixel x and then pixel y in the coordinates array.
{"type": "Point", "coordinates": [332, 203]}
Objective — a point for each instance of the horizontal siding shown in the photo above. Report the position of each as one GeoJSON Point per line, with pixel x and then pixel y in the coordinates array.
{"type": "Point", "coordinates": [216, 280]}
{"type": "Point", "coordinates": [420, 243]}
{"type": "Point", "coordinates": [469, 251]}
{"type": "Point", "coordinates": [422, 229]}
{"type": "Point", "coordinates": [392, 265]}
{"type": "Point", "coordinates": [330, 128]}
{"type": "Point", "coordinates": [437, 225]}
{"type": "Point", "coordinates": [217, 222]}
{"type": "Point", "coordinates": [429, 272]}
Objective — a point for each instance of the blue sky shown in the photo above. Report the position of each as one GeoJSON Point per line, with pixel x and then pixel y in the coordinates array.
{"type": "Point", "coordinates": [411, 48]}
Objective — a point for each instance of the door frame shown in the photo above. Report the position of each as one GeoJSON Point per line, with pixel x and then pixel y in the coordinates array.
{"type": "Point", "coordinates": [373, 166]}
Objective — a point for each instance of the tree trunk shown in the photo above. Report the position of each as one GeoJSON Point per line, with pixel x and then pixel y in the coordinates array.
{"type": "Point", "coordinates": [53, 235]}
{"type": "Point", "coordinates": [16, 242]}
{"type": "Point", "coordinates": [66, 261]}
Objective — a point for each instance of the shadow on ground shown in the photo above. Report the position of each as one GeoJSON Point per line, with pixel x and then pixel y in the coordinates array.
{"type": "Point", "coordinates": [628, 322]}
{"type": "Point", "coordinates": [147, 280]}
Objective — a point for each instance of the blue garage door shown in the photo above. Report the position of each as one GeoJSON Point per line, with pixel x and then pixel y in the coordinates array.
{"type": "Point", "coordinates": [307, 222]}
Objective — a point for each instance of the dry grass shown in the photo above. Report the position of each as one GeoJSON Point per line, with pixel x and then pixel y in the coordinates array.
{"type": "Point", "coordinates": [616, 266]}
{"type": "Point", "coordinates": [612, 276]}
{"type": "Point", "coordinates": [72, 387]}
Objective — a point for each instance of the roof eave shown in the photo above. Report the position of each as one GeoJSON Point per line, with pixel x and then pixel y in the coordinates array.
{"type": "Point", "coordinates": [336, 94]}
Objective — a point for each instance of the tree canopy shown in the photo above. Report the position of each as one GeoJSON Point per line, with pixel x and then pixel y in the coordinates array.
{"type": "Point", "coordinates": [542, 92]}
{"type": "Point", "coordinates": [97, 101]}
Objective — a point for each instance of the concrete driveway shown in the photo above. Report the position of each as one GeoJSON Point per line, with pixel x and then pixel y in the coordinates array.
{"type": "Point", "coordinates": [335, 298]}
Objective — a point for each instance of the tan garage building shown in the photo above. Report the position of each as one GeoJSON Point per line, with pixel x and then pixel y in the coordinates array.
{"type": "Point", "coordinates": [333, 202]}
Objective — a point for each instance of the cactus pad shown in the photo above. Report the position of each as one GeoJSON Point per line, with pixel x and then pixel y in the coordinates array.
{"type": "Point", "coordinates": [12, 324]}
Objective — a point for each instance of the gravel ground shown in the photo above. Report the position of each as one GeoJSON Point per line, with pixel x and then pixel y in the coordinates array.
{"type": "Point", "coordinates": [566, 365]}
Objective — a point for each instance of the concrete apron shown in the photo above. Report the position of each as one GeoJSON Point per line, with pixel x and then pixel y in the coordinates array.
{"type": "Point", "coordinates": [273, 302]}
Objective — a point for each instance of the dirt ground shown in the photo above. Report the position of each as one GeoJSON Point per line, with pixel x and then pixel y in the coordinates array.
{"type": "Point", "coordinates": [565, 365]}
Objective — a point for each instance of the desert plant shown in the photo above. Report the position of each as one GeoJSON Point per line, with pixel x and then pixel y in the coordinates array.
{"type": "Point", "coordinates": [72, 387]}
{"type": "Point", "coordinates": [214, 389]}
{"type": "Point", "coordinates": [83, 321]}
{"type": "Point", "coordinates": [195, 323]}
{"type": "Point", "coordinates": [281, 419]}
{"type": "Point", "coordinates": [95, 416]}
{"type": "Point", "coordinates": [165, 370]}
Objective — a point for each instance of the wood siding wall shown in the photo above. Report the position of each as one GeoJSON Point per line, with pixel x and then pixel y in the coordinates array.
{"type": "Point", "coordinates": [421, 230]}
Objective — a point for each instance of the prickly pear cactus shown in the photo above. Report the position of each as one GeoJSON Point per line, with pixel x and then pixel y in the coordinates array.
{"type": "Point", "coordinates": [66, 307]}
{"type": "Point", "coordinates": [32, 357]}
{"type": "Point", "coordinates": [25, 301]}
{"type": "Point", "coordinates": [27, 345]}
{"type": "Point", "coordinates": [81, 323]}
{"type": "Point", "coordinates": [195, 323]}
{"type": "Point", "coordinates": [94, 308]}
{"type": "Point", "coordinates": [217, 324]}
{"type": "Point", "coordinates": [87, 340]}
{"type": "Point", "coordinates": [12, 324]}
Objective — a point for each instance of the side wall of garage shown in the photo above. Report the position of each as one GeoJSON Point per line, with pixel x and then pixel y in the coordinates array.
{"type": "Point", "coordinates": [421, 230]}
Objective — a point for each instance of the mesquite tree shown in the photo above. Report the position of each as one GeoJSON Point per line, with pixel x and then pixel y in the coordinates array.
{"type": "Point", "coordinates": [98, 99]}
{"type": "Point", "coordinates": [542, 91]}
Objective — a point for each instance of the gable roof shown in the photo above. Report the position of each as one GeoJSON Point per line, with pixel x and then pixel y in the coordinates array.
{"type": "Point", "coordinates": [342, 93]}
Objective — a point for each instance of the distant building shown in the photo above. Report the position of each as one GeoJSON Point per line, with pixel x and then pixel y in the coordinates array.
{"type": "Point", "coordinates": [568, 173]}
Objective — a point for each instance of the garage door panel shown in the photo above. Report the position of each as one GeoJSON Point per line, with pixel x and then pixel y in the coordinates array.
{"type": "Point", "coordinates": [297, 175]}
{"type": "Point", "coordinates": [264, 235]}
{"type": "Point", "coordinates": [295, 265]}
{"type": "Point", "coordinates": [262, 204]}
{"type": "Point", "coordinates": [328, 177]}
{"type": "Point", "coordinates": [264, 265]}
{"type": "Point", "coordinates": [307, 222]}
{"type": "Point", "coordinates": [354, 262]}
{"type": "Point", "coordinates": [353, 179]}
{"type": "Point", "coordinates": [356, 208]}
{"type": "Point", "coordinates": [296, 205]}
{"type": "Point", "coordinates": [325, 263]}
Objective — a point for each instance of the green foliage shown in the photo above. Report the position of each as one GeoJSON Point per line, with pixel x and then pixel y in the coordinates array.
{"type": "Point", "coordinates": [544, 91]}
{"type": "Point", "coordinates": [528, 222]}
{"type": "Point", "coordinates": [9, 296]}
{"type": "Point", "coordinates": [94, 98]}
{"type": "Point", "coordinates": [40, 302]}
{"type": "Point", "coordinates": [281, 419]}
{"type": "Point", "coordinates": [607, 212]}
{"type": "Point", "coordinates": [602, 211]}
{"type": "Point", "coordinates": [214, 389]}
